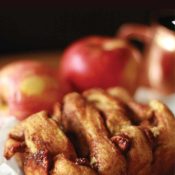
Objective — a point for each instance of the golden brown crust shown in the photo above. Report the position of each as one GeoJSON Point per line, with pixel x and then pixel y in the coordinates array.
{"type": "Point", "coordinates": [104, 156]}
{"type": "Point", "coordinates": [56, 116]}
{"type": "Point", "coordinates": [64, 166]}
{"type": "Point", "coordinates": [139, 155]}
{"type": "Point", "coordinates": [112, 109]}
{"type": "Point", "coordinates": [43, 139]}
{"type": "Point", "coordinates": [37, 163]}
{"type": "Point", "coordinates": [13, 146]}
{"type": "Point", "coordinates": [162, 125]}
{"type": "Point", "coordinates": [120, 94]}
{"type": "Point", "coordinates": [110, 131]}
{"type": "Point", "coordinates": [139, 161]}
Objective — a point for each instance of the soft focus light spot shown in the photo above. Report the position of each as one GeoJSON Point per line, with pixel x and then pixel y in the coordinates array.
{"type": "Point", "coordinates": [155, 70]}
{"type": "Point", "coordinates": [113, 44]}
{"type": "Point", "coordinates": [78, 63]}
{"type": "Point", "coordinates": [166, 41]}
{"type": "Point", "coordinates": [173, 22]}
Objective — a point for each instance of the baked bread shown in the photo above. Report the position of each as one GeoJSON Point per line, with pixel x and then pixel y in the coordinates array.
{"type": "Point", "coordinates": [101, 132]}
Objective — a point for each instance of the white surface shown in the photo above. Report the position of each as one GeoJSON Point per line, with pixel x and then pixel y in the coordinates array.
{"type": "Point", "coordinates": [7, 167]}
{"type": "Point", "coordinates": [145, 95]}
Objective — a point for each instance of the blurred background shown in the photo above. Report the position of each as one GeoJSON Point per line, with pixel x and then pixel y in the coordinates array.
{"type": "Point", "coordinates": [49, 29]}
{"type": "Point", "coordinates": [30, 32]}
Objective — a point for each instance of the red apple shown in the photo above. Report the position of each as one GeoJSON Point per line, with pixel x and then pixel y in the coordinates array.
{"type": "Point", "coordinates": [99, 61]}
{"type": "Point", "coordinates": [27, 87]}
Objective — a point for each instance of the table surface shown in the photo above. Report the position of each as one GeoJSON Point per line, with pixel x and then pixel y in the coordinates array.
{"type": "Point", "coordinates": [51, 58]}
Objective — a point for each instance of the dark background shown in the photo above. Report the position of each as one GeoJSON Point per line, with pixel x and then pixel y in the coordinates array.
{"type": "Point", "coordinates": [53, 28]}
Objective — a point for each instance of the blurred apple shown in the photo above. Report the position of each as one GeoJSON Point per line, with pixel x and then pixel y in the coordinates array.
{"type": "Point", "coordinates": [27, 87]}
{"type": "Point", "coordinates": [161, 67]}
{"type": "Point", "coordinates": [98, 61]}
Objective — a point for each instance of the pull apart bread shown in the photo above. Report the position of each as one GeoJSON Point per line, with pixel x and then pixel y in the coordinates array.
{"type": "Point", "coordinates": [98, 132]}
